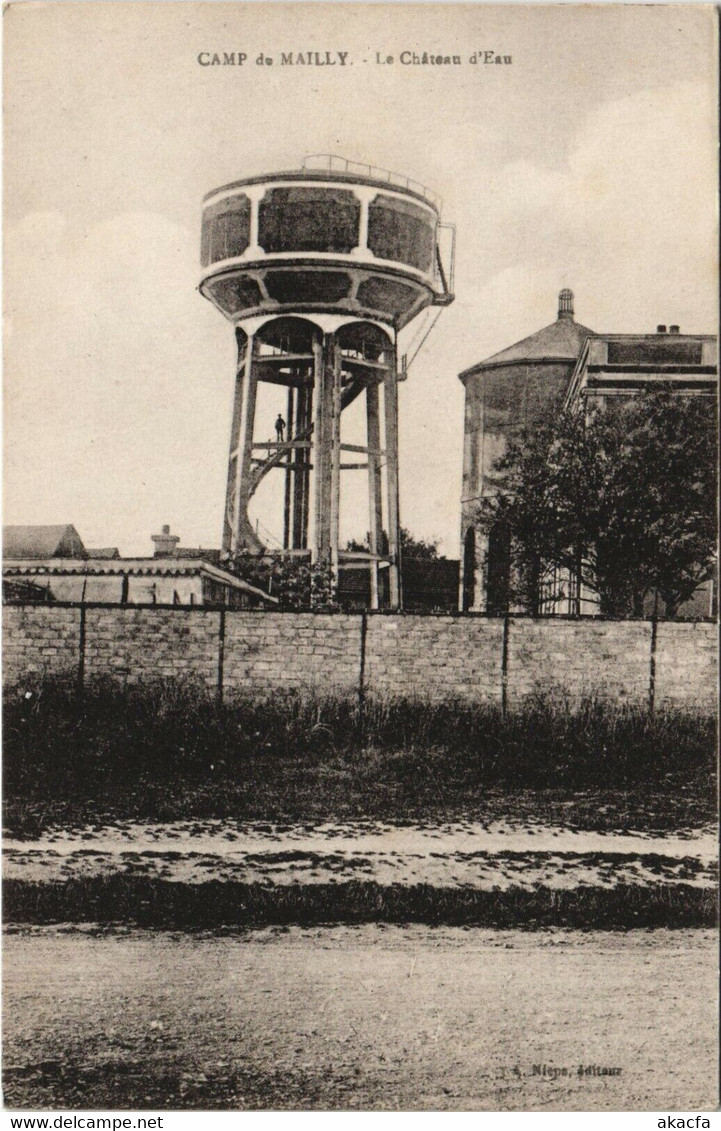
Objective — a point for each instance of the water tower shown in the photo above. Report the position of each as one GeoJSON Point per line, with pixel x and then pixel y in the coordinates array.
{"type": "Point", "coordinates": [318, 270]}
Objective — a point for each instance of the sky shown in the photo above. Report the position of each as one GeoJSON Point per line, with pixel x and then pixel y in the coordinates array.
{"type": "Point", "coordinates": [588, 162]}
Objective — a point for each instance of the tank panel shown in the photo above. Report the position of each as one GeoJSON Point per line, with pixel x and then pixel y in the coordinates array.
{"type": "Point", "coordinates": [308, 219]}
{"type": "Point", "coordinates": [386, 294]}
{"type": "Point", "coordinates": [235, 294]}
{"type": "Point", "coordinates": [401, 230]}
{"type": "Point", "coordinates": [226, 230]}
{"type": "Point", "coordinates": [296, 288]}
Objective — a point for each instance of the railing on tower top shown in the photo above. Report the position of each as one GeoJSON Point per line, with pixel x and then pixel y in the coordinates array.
{"type": "Point", "coordinates": [329, 162]}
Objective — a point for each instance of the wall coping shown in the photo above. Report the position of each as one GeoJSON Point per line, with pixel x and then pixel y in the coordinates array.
{"type": "Point", "coordinates": [404, 613]}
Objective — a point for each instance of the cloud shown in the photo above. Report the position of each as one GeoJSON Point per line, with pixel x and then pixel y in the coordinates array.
{"type": "Point", "coordinates": [118, 378]}
{"type": "Point", "coordinates": [626, 217]}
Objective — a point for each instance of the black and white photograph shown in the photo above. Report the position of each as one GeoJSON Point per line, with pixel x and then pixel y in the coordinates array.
{"type": "Point", "coordinates": [359, 558]}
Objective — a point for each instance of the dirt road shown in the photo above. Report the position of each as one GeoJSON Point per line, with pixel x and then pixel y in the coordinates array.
{"type": "Point", "coordinates": [496, 855]}
{"type": "Point", "coordinates": [367, 1017]}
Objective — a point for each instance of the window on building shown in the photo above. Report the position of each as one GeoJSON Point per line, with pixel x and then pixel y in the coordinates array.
{"type": "Point", "coordinates": [469, 570]}
{"type": "Point", "coordinates": [498, 570]}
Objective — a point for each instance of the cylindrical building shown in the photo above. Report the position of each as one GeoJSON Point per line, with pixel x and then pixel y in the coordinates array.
{"type": "Point", "coordinates": [519, 388]}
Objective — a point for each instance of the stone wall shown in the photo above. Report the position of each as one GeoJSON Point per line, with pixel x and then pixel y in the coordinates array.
{"type": "Point", "coordinates": [40, 639]}
{"type": "Point", "coordinates": [686, 664]}
{"type": "Point", "coordinates": [579, 658]}
{"type": "Point", "coordinates": [435, 657]}
{"type": "Point", "coordinates": [152, 643]}
{"type": "Point", "coordinates": [469, 659]}
{"type": "Point", "coordinates": [269, 652]}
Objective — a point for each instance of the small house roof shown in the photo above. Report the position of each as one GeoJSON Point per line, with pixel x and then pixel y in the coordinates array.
{"type": "Point", "coordinates": [132, 567]}
{"type": "Point", "coordinates": [21, 542]}
{"type": "Point", "coordinates": [102, 553]}
{"type": "Point", "coordinates": [192, 552]}
{"type": "Point", "coordinates": [560, 341]}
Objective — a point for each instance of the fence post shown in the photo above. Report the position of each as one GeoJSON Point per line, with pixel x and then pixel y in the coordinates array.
{"type": "Point", "coordinates": [504, 667]}
{"type": "Point", "coordinates": [81, 651]}
{"type": "Point", "coordinates": [221, 654]}
{"type": "Point", "coordinates": [362, 673]}
{"type": "Point", "coordinates": [652, 667]}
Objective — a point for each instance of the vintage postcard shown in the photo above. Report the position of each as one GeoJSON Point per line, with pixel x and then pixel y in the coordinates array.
{"type": "Point", "coordinates": [359, 558]}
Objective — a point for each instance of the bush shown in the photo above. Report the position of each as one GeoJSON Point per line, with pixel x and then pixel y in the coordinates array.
{"type": "Point", "coordinates": [297, 584]}
{"type": "Point", "coordinates": [61, 743]}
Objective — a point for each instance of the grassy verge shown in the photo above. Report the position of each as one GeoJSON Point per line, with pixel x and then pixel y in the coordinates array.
{"type": "Point", "coordinates": [166, 751]}
{"type": "Point", "coordinates": [157, 903]}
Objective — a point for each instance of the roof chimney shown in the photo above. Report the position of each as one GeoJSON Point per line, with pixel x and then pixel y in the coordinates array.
{"type": "Point", "coordinates": [165, 543]}
{"type": "Point", "coordinates": [674, 330]}
{"type": "Point", "coordinates": [661, 329]}
{"type": "Point", "coordinates": [565, 304]}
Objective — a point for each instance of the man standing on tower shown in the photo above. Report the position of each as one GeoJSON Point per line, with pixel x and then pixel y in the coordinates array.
{"type": "Point", "coordinates": [280, 429]}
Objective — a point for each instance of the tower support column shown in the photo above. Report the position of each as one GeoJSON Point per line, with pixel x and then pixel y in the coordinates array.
{"type": "Point", "coordinates": [288, 470]}
{"type": "Point", "coordinates": [390, 404]}
{"type": "Point", "coordinates": [335, 365]}
{"type": "Point", "coordinates": [301, 463]}
{"type": "Point", "coordinates": [323, 447]}
{"type": "Point", "coordinates": [241, 442]}
{"type": "Point", "coordinates": [375, 506]}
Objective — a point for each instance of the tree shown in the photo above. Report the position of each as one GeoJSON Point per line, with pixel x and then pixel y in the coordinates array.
{"type": "Point", "coordinates": [420, 549]}
{"type": "Point", "coordinates": [624, 500]}
{"type": "Point", "coordinates": [295, 583]}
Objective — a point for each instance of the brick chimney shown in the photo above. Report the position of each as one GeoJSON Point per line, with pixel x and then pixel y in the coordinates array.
{"type": "Point", "coordinates": [565, 304]}
{"type": "Point", "coordinates": [165, 543]}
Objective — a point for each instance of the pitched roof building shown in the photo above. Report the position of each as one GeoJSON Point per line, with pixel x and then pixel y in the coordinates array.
{"type": "Point", "coordinates": [134, 581]}
{"type": "Point", "coordinates": [619, 365]}
{"type": "Point", "coordinates": [563, 365]}
{"type": "Point", "coordinates": [50, 563]}
{"type": "Point", "coordinates": [103, 553]}
{"type": "Point", "coordinates": [24, 542]}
